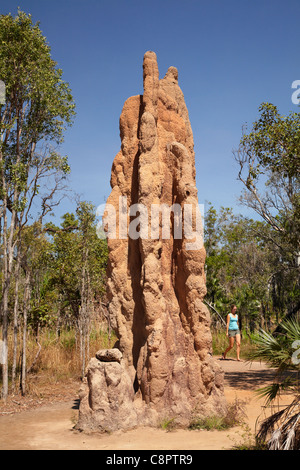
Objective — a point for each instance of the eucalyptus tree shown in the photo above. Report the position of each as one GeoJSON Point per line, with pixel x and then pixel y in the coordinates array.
{"type": "Point", "coordinates": [38, 107]}
{"type": "Point", "coordinates": [269, 168]}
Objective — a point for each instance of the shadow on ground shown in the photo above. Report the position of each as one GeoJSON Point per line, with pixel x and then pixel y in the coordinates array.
{"type": "Point", "coordinates": [249, 380]}
{"type": "Point", "coordinates": [249, 376]}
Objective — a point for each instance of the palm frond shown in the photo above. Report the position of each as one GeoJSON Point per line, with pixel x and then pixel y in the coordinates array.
{"type": "Point", "coordinates": [292, 328]}
{"type": "Point", "coordinates": [275, 441]}
{"type": "Point", "coordinates": [283, 428]}
{"type": "Point", "coordinates": [269, 392]}
{"type": "Point", "coordinates": [272, 391]}
{"type": "Point", "coordinates": [269, 349]}
{"type": "Point", "coordinates": [268, 425]}
{"type": "Point", "coordinates": [290, 434]}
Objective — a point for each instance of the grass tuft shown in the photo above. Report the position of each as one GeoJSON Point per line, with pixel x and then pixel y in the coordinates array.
{"type": "Point", "coordinates": [234, 416]}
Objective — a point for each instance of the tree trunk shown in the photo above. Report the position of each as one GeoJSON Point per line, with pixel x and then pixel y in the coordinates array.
{"type": "Point", "coordinates": [8, 251]}
{"type": "Point", "coordinates": [5, 305]}
{"type": "Point", "coordinates": [16, 311]}
{"type": "Point", "coordinates": [25, 316]}
{"type": "Point", "coordinates": [84, 314]}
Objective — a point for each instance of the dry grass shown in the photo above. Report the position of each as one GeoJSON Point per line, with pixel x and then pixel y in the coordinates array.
{"type": "Point", "coordinates": [58, 365]}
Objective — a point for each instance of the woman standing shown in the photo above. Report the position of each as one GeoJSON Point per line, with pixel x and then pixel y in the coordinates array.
{"type": "Point", "coordinates": [233, 332]}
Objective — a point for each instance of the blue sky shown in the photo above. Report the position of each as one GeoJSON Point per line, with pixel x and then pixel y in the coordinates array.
{"type": "Point", "coordinates": [231, 56]}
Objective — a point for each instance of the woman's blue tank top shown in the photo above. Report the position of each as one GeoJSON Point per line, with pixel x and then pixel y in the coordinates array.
{"type": "Point", "coordinates": [233, 323]}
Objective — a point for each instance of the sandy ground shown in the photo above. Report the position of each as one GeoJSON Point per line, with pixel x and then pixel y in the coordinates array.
{"type": "Point", "coordinates": [50, 427]}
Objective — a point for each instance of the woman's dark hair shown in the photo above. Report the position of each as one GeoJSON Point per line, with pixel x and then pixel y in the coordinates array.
{"type": "Point", "coordinates": [232, 305]}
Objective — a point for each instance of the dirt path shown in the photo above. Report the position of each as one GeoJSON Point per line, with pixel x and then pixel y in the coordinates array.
{"type": "Point", "coordinates": [50, 427]}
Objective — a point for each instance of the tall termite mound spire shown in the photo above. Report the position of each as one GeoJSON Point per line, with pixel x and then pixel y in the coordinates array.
{"type": "Point", "coordinates": [156, 280]}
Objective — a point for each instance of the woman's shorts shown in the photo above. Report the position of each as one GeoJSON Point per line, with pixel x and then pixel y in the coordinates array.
{"type": "Point", "coordinates": [233, 333]}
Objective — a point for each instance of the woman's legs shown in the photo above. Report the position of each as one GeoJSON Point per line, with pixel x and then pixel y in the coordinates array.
{"type": "Point", "coordinates": [231, 343]}
{"type": "Point", "coordinates": [238, 346]}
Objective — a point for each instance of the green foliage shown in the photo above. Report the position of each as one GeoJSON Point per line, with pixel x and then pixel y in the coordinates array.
{"type": "Point", "coordinates": [280, 431]}
{"type": "Point", "coordinates": [38, 109]}
{"type": "Point", "coordinates": [168, 424]}
{"type": "Point", "coordinates": [256, 264]}
{"type": "Point", "coordinates": [237, 264]}
{"type": "Point", "coordinates": [55, 263]}
{"type": "Point", "coordinates": [277, 351]}
{"type": "Point", "coordinates": [37, 97]}
{"type": "Point", "coordinates": [209, 423]}
{"type": "Point", "coordinates": [275, 141]}
{"type": "Point", "coordinates": [75, 246]}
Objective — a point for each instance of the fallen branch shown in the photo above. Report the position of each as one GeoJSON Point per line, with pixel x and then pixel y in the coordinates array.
{"type": "Point", "coordinates": [213, 308]}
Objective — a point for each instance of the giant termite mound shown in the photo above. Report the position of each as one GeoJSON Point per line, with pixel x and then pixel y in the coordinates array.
{"type": "Point", "coordinates": [156, 284]}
